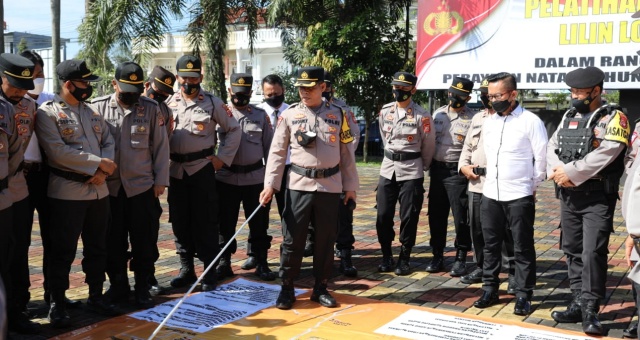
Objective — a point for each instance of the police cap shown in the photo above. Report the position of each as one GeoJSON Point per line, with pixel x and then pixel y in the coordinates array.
{"type": "Point", "coordinates": [129, 77]}
{"type": "Point", "coordinates": [309, 76]}
{"type": "Point", "coordinates": [189, 66]}
{"type": "Point", "coordinates": [75, 69]}
{"type": "Point", "coordinates": [328, 78]}
{"type": "Point", "coordinates": [484, 85]}
{"type": "Point", "coordinates": [461, 86]}
{"type": "Point", "coordinates": [404, 79]}
{"type": "Point", "coordinates": [18, 70]}
{"type": "Point", "coordinates": [584, 78]}
{"type": "Point", "coordinates": [163, 79]}
{"type": "Point", "coordinates": [241, 82]}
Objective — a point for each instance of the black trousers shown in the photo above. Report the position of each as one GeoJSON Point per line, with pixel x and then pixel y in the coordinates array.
{"type": "Point", "coordinates": [38, 184]}
{"type": "Point", "coordinates": [448, 190]}
{"type": "Point", "coordinates": [586, 220]}
{"type": "Point", "coordinates": [518, 215]}
{"type": "Point", "coordinates": [193, 211]}
{"type": "Point", "coordinates": [475, 217]}
{"type": "Point", "coordinates": [301, 208]}
{"type": "Point", "coordinates": [69, 221]}
{"type": "Point", "coordinates": [6, 236]}
{"type": "Point", "coordinates": [345, 239]}
{"type": "Point", "coordinates": [410, 194]}
{"type": "Point", "coordinates": [249, 196]}
{"type": "Point", "coordinates": [19, 295]}
{"type": "Point", "coordinates": [134, 220]}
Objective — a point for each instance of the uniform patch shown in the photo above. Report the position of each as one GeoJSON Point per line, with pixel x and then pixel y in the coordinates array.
{"type": "Point", "coordinates": [199, 126]}
{"type": "Point", "coordinates": [616, 131]}
{"type": "Point", "coordinates": [226, 108]}
{"type": "Point", "coordinates": [332, 129]}
{"type": "Point", "coordinates": [161, 121]}
{"type": "Point", "coordinates": [201, 97]}
{"type": "Point", "coordinates": [573, 125]}
{"type": "Point", "coordinates": [331, 116]}
{"type": "Point", "coordinates": [62, 115]}
{"type": "Point", "coordinates": [299, 115]}
{"type": "Point", "coordinates": [409, 110]}
{"type": "Point", "coordinates": [22, 130]}
{"type": "Point", "coordinates": [426, 125]}
{"type": "Point", "coordinates": [67, 132]}
{"type": "Point", "coordinates": [96, 128]}
{"type": "Point", "coordinates": [23, 114]}
{"type": "Point", "coordinates": [346, 136]}
{"type": "Point", "coordinates": [279, 120]}
{"type": "Point", "coordinates": [460, 138]}
{"type": "Point", "coordinates": [410, 138]}
{"type": "Point", "coordinates": [389, 117]}
{"type": "Point", "coordinates": [173, 104]}
{"type": "Point", "coordinates": [595, 143]}
{"type": "Point", "coordinates": [624, 122]}
{"type": "Point", "coordinates": [143, 129]}
{"type": "Point", "coordinates": [332, 138]}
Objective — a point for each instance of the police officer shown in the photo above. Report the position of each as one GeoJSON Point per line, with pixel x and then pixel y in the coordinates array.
{"type": "Point", "coordinates": [193, 199]}
{"type": "Point", "coordinates": [80, 153]}
{"type": "Point", "coordinates": [322, 167]}
{"type": "Point", "coordinates": [142, 155]}
{"type": "Point", "coordinates": [448, 188]}
{"type": "Point", "coordinates": [587, 182]}
{"type": "Point", "coordinates": [159, 87]}
{"type": "Point", "coordinates": [630, 210]}
{"type": "Point", "coordinates": [409, 145]}
{"type": "Point", "coordinates": [17, 79]}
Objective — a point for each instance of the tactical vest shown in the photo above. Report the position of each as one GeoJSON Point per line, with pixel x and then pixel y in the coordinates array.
{"type": "Point", "coordinates": [576, 139]}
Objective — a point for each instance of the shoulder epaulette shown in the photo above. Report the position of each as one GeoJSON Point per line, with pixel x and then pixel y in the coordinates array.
{"type": "Point", "coordinates": [149, 100]}
{"type": "Point", "coordinates": [101, 98]}
{"type": "Point", "coordinates": [256, 107]}
{"type": "Point", "coordinates": [293, 105]}
{"type": "Point", "coordinates": [387, 105]}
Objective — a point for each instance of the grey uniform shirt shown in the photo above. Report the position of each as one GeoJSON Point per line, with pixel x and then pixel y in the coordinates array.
{"type": "Point", "coordinates": [195, 122]}
{"type": "Point", "coordinates": [25, 112]}
{"type": "Point", "coordinates": [582, 170]}
{"type": "Point", "coordinates": [473, 150]}
{"type": "Point", "coordinates": [451, 129]}
{"type": "Point", "coordinates": [327, 151]}
{"type": "Point", "coordinates": [10, 146]}
{"type": "Point", "coordinates": [74, 138]}
{"type": "Point", "coordinates": [257, 134]}
{"type": "Point", "coordinates": [406, 130]}
{"type": "Point", "coordinates": [141, 144]}
{"type": "Point", "coordinates": [351, 118]}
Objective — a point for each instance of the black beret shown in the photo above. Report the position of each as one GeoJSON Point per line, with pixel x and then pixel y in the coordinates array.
{"type": "Point", "coordinates": [584, 78]}
{"type": "Point", "coordinates": [461, 86]}
{"type": "Point", "coordinates": [18, 70]}
{"type": "Point", "coordinates": [241, 82]}
{"type": "Point", "coordinates": [309, 76]}
{"type": "Point", "coordinates": [189, 66]}
{"type": "Point", "coordinates": [75, 70]}
{"type": "Point", "coordinates": [129, 77]}
{"type": "Point", "coordinates": [163, 79]}
{"type": "Point", "coordinates": [404, 79]}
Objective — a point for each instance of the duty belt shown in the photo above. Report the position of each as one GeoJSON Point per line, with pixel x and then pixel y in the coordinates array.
{"type": "Point", "coordinates": [315, 173]}
{"type": "Point", "coordinates": [401, 156]}
{"type": "Point", "coordinates": [243, 169]}
{"type": "Point", "coordinates": [72, 176]}
{"type": "Point", "coordinates": [4, 183]}
{"type": "Point", "coordinates": [590, 185]}
{"type": "Point", "coordinates": [445, 165]}
{"type": "Point", "coordinates": [192, 156]}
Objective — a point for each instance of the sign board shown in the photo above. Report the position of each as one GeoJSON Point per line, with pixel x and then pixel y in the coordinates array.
{"type": "Point", "coordinates": [537, 40]}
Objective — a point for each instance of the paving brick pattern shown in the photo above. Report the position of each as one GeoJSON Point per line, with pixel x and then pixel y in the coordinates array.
{"type": "Point", "coordinates": [438, 291]}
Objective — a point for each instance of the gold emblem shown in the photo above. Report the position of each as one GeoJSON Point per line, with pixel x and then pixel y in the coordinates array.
{"type": "Point", "coordinates": [167, 80]}
{"type": "Point", "coordinates": [459, 85]}
{"type": "Point", "coordinates": [26, 73]}
{"type": "Point", "coordinates": [304, 75]}
{"type": "Point", "coordinates": [299, 115]}
{"type": "Point", "coordinates": [67, 132]}
{"type": "Point", "coordinates": [141, 129]}
{"type": "Point", "coordinates": [484, 83]}
{"type": "Point", "coordinates": [332, 138]}
{"type": "Point", "coordinates": [189, 65]}
{"type": "Point", "coordinates": [23, 114]}
{"type": "Point", "coordinates": [332, 129]}
{"type": "Point", "coordinates": [401, 77]}
{"type": "Point", "coordinates": [96, 128]}
{"type": "Point", "coordinates": [241, 81]}
{"type": "Point", "coordinates": [133, 77]}
{"type": "Point", "coordinates": [199, 126]}
{"type": "Point", "coordinates": [443, 22]}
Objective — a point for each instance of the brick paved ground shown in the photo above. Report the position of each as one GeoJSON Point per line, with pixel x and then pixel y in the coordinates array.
{"type": "Point", "coordinates": [438, 291]}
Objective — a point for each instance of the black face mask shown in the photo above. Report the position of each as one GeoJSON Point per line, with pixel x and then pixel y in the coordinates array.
{"type": "Point", "coordinates": [275, 101]}
{"type": "Point", "coordinates": [82, 94]}
{"type": "Point", "coordinates": [401, 95]}
{"type": "Point", "coordinates": [485, 101]}
{"type": "Point", "coordinates": [305, 138]}
{"type": "Point", "coordinates": [457, 102]}
{"type": "Point", "coordinates": [582, 105]}
{"type": "Point", "coordinates": [327, 95]}
{"type": "Point", "coordinates": [501, 106]}
{"type": "Point", "coordinates": [190, 89]}
{"type": "Point", "coordinates": [128, 98]}
{"type": "Point", "coordinates": [240, 99]}
{"type": "Point", "coordinates": [13, 102]}
{"type": "Point", "coordinates": [153, 94]}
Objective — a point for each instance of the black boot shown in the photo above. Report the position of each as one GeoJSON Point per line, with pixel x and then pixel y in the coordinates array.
{"type": "Point", "coordinates": [573, 313]}
{"type": "Point", "coordinates": [321, 294]}
{"type": "Point", "coordinates": [250, 263]}
{"type": "Point", "coordinates": [262, 267]}
{"type": "Point", "coordinates": [387, 260]}
{"type": "Point", "coordinates": [70, 303]}
{"type": "Point", "coordinates": [403, 268]}
{"type": "Point", "coordinates": [142, 294]}
{"type": "Point", "coordinates": [590, 323]}
{"type": "Point", "coordinates": [19, 322]}
{"type": "Point", "coordinates": [224, 267]}
{"type": "Point", "coordinates": [119, 288]}
{"type": "Point", "coordinates": [210, 280]}
{"type": "Point", "coordinates": [97, 302]}
{"type": "Point", "coordinates": [346, 267]}
{"type": "Point", "coordinates": [287, 295]}
{"type": "Point", "coordinates": [187, 274]}
{"type": "Point", "coordinates": [437, 263]}
{"type": "Point", "coordinates": [460, 265]}
{"type": "Point", "coordinates": [58, 316]}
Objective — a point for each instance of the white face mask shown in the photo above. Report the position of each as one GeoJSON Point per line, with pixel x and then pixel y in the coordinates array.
{"type": "Point", "coordinates": [39, 86]}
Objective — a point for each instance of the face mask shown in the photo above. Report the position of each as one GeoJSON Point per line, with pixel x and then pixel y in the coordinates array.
{"type": "Point", "coordinates": [501, 106]}
{"type": "Point", "coordinates": [327, 95]}
{"type": "Point", "coordinates": [190, 89]}
{"type": "Point", "coordinates": [582, 105]}
{"type": "Point", "coordinates": [13, 102]}
{"type": "Point", "coordinates": [151, 93]}
{"type": "Point", "coordinates": [82, 94]}
{"type": "Point", "coordinates": [128, 98]}
{"type": "Point", "coordinates": [485, 101]}
{"type": "Point", "coordinates": [305, 138]}
{"type": "Point", "coordinates": [240, 99]}
{"type": "Point", "coordinates": [39, 86]}
{"type": "Point", "coordinates": [456, 102]}
{"type": "Point", "coordinates": [275, 101]}
{"type": "Point", "coordinates": [401, 95]}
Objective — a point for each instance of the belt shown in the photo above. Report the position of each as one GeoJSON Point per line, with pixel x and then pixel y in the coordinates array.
{"type": "Point", "coordinates": [72, 176]}
{"type": "Point", "coordinates": [445, 165]}
{"type": "Point", "coordinates": [4, 183]}
{"type": "Point", "coordinates": [315, 173]}
{"type": "Point", "coordinates": [192, 156]}
{"type": "Point", "coordinates": [401, 156]}
{"type": "Point", "coordinates": [590, 185]}
{"type": "Point", "coordinates": [243, 169]}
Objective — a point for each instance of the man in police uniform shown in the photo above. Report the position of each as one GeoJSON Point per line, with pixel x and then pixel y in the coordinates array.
{"type": "Point", "coordinates": [322, 167]}
{"type": "Point", "coordinates": [80, 153]}
{"type": "Point", "coordinates": [447, 188]}
{"type": "Point", "coordinates": [193, 199]}
{"type": "Point", "coordinates": [241, 182]}
{"type": "Point", "coordinates": [587, 182]}
{"type": "Point", "coordinates": [409, 145]}
{"type": "Point", "coordinates": [142, 155]}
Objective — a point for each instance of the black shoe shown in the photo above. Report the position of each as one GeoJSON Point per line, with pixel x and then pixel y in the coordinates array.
{"type": "Point", "coordinates": [346, 266]}
{"type": "Point", "coordinates": [264, 272]}
{"type": "Point", "coordinates": [183, 280]}
{"type": "Point", "coordinates": [474, 277]}
{"type": "Point", "coordinates": [286, 298]}
{"type": "Point", "coordinates": [69, 302]}
{"type": "Point", "coordinates": [143, 299]}
{"type": "Point", "coordinates": [224, 270]}
{"type": "Point", "coordinates": [590, 323]}
{"type": "Point", "coordinates": [156, 290]}
{"type": "Point", "coordinates": [308, 249]}
{"type": "Point", "coordinates": [250, 263]}
{"type": "Point", "coordinates": [117, 294]}
{"type": "Point", "coordinates": [459, 268]}
{"type": "Point", "coordinates": [58, 316]}
{"type": "Point", "coordinates": [488, 299]}
{"type": "Point", "coordinates": [322, 296]}
{"type": "Point", "coordinates": [20, 323]}
{"type": "Point", "coordinates": [573, 313]}
{"type": "Point", "coordinates": [403, 268]}
{"type": "Point", "coordinates": [631, 332]}
{"type": "Point", "coordinates": [99, 305]}
{"type": "Point", "coordinates": [523, 306]}
{"type": "Point", "coordinates": [436, 265]}
{"type": "Point", "coordinates": [512, 288]}
{"type": "Point", "coordinates": [386, 265]}
{"type": "Point", "coordinates": [207, 287]}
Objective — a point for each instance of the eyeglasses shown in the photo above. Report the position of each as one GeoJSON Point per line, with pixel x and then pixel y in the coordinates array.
{"type": "Point", "coordinates": [496, 96]}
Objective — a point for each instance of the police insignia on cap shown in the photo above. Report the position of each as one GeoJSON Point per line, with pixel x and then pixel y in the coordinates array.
{"type": "Point", "coordinates": [241, 81]}
{"type": "Point", "coordinates": [133, 77]}
{"type": "Point", "coordinates": [26, 73]}
{"type": "Point", "coordinates": [485, 82]}
{"type": "Point", "coordinates": [459, 85]}
{"type": "Point", "coordinates": [401, 77]}
{"type": "Point", "coordinates": [304, 75]}
{"type": "Point", "coordinates": [167, 80]}
{"type": "Point", "coordinates": [189, 65]}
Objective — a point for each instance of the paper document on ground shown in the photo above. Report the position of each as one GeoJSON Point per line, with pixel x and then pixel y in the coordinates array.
{"type": "Point", "coordinates": [417, 324]}
{"type": "Point", "coordinates": [227, 303]}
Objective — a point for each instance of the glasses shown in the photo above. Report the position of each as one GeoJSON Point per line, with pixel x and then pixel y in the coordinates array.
{"type": "Point", "coordinates": [496, 96]}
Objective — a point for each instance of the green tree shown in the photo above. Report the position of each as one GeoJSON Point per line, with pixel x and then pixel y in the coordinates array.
{"type": "Point", "coordinates": [557, 98]}
{"type": "Point", "coordinates": [22, 45]}
{"type": "Point", "coordinates": [612, 96]}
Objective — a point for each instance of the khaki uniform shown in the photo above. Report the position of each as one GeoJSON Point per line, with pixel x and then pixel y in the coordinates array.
{"type": "Point", "coordinates": [451, 129]}
{"type": "Point", "coordinates": [473, 150]}
{"type": "Point", "coordinates": [634, 146]}
{"type": "Point", "coordinates": [25, 111]}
